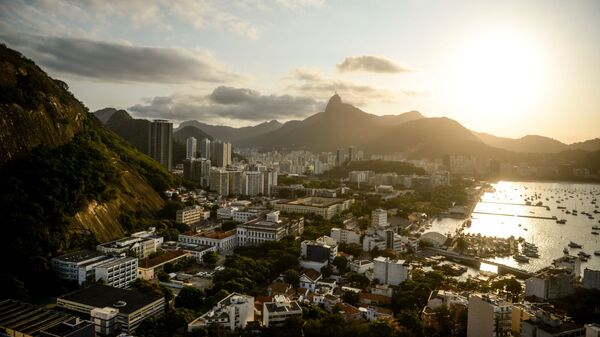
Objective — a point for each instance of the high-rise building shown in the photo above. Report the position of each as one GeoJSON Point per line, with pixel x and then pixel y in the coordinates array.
{"type": "Point", "coordinates": [340, 157]}
{"type": "Point", "coordinates": [236, 182]}
{"type": "Point", "coordinates": [269, 180]}
{"type": "Point", "coordinates": [197, 170]}
{"type": "Point", "coordinates": [254, 183]}
{"type": "Point", "coordinates": [488, 316]}
{"type": "Point", "coordinates": [318, 169]}
{"type": "Point", "coordinates": [351, 153]}
{"type": "Point", "coordinates": [205, 148]}
{"type": "Point", "coordinates": [222, 154]}
{"type": "Point", "coordinates": [160, 142]}
{"type": "Point", "coordinates": [191, 145]}
{"type": "Point", "coordinates": [219, 181]}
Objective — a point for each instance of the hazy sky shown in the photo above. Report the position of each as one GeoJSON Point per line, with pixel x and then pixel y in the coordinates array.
{"type": "Point", "coordinates": [506, 67]}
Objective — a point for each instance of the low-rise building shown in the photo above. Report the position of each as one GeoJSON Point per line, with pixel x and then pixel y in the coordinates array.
{"type": "Point", "coordinates": [388, 271]}
{"type": "Point", "coordinates": [322, 249]}
{"type": "Point", "coordinates": [275, 313]}
{"type": "Point", "coordinates": [488, 316]}
{"type": "Point", "coordinates": [133, 306]}
{"type": "Point", "coordinates": [430, 316]}
{"type": "Point", "coordinates": [341, 235]}
{"type": "Point", "coordinates": [361, 266]}
{"type": "Point", "coordinates": [551, 283]}
{"type": "Point", "coordinates": [546, 322]}
{"type": "Point", "coordinates": [77, 266]}
{"type": "Point", "coordinates": [570, 262]}
{"type": "Point", "coordinates": [309, 279]}
{"type": "Point", "coordinates": [197, 251]}
{"type": "Point", "coordinates": [118, 272]}
{"type": "Point", "coordinates": [232, 312]}
{"type": "Point", "coordinates": [224, 241]}
{"type": "Point", "coordinates": [142, 247]}
{"type": "Point", "coordinates": [373, 312]}
{"type": "Point", "coordinates": [191, 214]}
{"type": "Point", "coordinates": [149, 268]}
{"type": "Point", "coordinates": [270, 228]}
{"type": "Point", "coordinates": [325, 207]}
{"type": "Point", "coordinates": [20, 319]}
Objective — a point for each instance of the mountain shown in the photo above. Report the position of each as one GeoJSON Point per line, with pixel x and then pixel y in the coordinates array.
{"type": "Point", "coordinates": [340, 125]}
{"type": "Point", "coordinates": [105, 114]}
{"type": "Point", "coordinates": [428, 137]}
{"type": "Point", "coordinates": [182, 134]}
{"type": "Point", "coordinates": [588, 145]}
{"type": "Point", "coordinates": [231, 134]}
{"type": "Point", "coordinates": [527, 144]}
{"type": "Point", "coordinates": [34, 108]}
{"type": "Point", "coordinates": [67, 181]}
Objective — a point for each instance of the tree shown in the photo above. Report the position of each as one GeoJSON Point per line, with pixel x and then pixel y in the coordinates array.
{"type": "Point", "coordinates": [292, 277]}
{"type": "Point", "coordinates": [326, 271]}
{"type": "Point", "coordinates": [350, 297]}
{"type": "Point", "coordinates": [210, 258]}
{"type": "Point", "coordinates": [190, 298]}
{"type": "Point", "coordinates": [341, 263]}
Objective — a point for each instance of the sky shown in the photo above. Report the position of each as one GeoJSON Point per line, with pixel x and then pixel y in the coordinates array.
{"type": "Point", "coordinates": [510, 68]}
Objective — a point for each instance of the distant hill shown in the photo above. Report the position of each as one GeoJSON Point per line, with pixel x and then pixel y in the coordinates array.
{"type": "Point", "coordinates": [105, 114]}
{"type": "Point", "coordinates": [428, 137]}
{"type": "Point", "coordinates": [527, 144]}
{"type": "Point", "coordinates": [231, 134]}
{"type": "Point", "coordinates": [182, 134]}
{"type": "Point", "coordinates": [135, 131]}
{"type": "Point", "coordinates": [588, 145]}
{"type": "Point", "coordinates": [340, 125]}
{"type": "Point", "coordinates": [67, 181]}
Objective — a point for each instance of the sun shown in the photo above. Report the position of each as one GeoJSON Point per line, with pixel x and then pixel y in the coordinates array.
{"type": "Point", "coordinates": [499, 72]}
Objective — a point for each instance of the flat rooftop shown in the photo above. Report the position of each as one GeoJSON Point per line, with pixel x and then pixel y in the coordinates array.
{"type": "Point", "coordinates": [101, 296]}
{"type": "Point", "coordinates": [283, 306]}
{"type": "Point", "coordinates": [27, 318]}
{"type": "Point", "coordinates": [162, 259]}
{"type": "Point", "coordinates": [313, 201]}
{"type": "Point", "coordinates": [79, 256]}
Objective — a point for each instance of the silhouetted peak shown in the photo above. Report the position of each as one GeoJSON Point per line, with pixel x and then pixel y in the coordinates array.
{"type": "Point", "coordinates": [334, 101]}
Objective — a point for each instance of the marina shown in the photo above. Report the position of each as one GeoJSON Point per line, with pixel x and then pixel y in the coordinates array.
{"type": "Point", "coordinates": [558, 218]}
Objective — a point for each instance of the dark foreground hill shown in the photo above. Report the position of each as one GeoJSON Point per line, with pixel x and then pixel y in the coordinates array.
{"type": "Point", "coordinates": [66, 180]}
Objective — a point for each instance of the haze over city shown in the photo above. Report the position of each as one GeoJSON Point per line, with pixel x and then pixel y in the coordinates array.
{"type": "Point", "coordinates": [509, 68]}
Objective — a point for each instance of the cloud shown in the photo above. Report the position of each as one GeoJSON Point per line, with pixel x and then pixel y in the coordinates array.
{"type": "Point", "coordinates": [228, 104]}
{"type": "Point", "coordinates": [313, 83]}
{"type": "Point", "coordinates": [119, 62]}
{"type": "Point", "coordinates": [372, 64]}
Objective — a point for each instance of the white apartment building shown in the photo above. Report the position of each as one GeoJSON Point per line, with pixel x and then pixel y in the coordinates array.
{"type": "Point", "coordinates": [118, 272]}
{"type": "Point", "coordinates": [488, 316]}
{"type": "Point", "coordinates": [191, 214]}
{"type": "Point", "coordinates": [234, 311]}
{"type": "Point", "coordinates": [191, 148]}
{"type": "Point", "coordinates": [269, 228]}
{"type": "Point", "coordinates": [387, 271]}
{"type": "Point", "coordinates": [379, 218]}
{"type": "Point", "coordinates": [142, 247]}
{"type": "Point", "coordinates": [245, 216]}
{"type": "Point", "coordinates": [254, 183]}
{"type": "Point", "coordinates": [77, 266]}
{"type": "Point", "coordinates": [277, 312]}
{"type": "Point", "coordinates": [551, 283]}
{"type": "Point", "coordinates": [226, 212]}
{"type": "Point", "coordinates": [345, 235]}
{"type": "Point", "coordinates": [224, 241]}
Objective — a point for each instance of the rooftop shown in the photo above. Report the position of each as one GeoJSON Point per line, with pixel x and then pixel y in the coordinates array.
{"type": "Point", "coordinates": [27, 318]}
{"type": "Point", "coordinates": [282, 306]}
{"type": "Point", "coordinates": [79, 256]}
{"type": "Point", "coordinates": [313, 201]}
{"type": "Point", "coordinates": [100, 296]}
{"type": "Point", "coordinates": [162, 259]}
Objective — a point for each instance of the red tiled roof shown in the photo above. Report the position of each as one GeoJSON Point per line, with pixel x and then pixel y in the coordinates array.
{"type": "Point", "coordinates": [312, 274]}
{"type": "Point", "coordinates": [279, 288]}
{"type": "Point", "coordinates": [364, 297]}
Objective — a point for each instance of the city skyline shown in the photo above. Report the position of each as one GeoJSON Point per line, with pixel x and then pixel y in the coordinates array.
{"type": "Point", "coordinates": [508, 68]}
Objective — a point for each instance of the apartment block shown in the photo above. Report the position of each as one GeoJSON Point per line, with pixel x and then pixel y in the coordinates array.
{"type": "Point", "coordinates": [232, 312]}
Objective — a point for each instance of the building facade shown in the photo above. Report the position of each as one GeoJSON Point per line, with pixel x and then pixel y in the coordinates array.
{"type": "Point", "coordinates": [160, 142]}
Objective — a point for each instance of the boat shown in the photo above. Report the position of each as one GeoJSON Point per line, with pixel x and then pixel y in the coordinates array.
{"type": "Point", "coordinates": [521, 258]}
{"type": "Point", "coordinates": [561, 221]}
{"type": "Point", "coordinates": [597, 253]}
{"type": "Point", "coordinates": [594, 233]}
{"type": "Point", "coordinates": [575, 245]}
{"type": "Point", "coordinates": [566, 250]}
{"type": "Point", "coordinates": [583, 258]}
{"type": "Point", "coordinates": [584, 254]}
{"type": "Point", "coordinates": [596, 227]}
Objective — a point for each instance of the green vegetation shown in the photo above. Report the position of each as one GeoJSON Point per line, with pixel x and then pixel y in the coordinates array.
{"type": "Point", "coordinates": [377, 166]}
